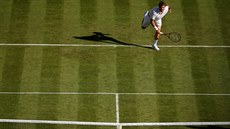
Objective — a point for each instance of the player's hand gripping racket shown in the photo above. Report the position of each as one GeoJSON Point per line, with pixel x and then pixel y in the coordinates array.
{"type": "Point", "coordinates": [173, 36]}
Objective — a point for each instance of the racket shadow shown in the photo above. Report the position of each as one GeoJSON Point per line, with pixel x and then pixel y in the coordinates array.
{"type": "Point", "coordinates": [104, 38]}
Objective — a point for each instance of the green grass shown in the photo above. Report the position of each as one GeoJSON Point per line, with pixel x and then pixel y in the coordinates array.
{"type": "Point", "coordinates": [112, 69]}
{"type": "Point", "coordinates": [59, 107]}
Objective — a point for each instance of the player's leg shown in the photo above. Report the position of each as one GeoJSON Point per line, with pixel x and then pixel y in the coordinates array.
{"type": "Point", "coordinates": [157, 35]}
{"type": "Point", "coordinates": [142, 26]}
{"type": "Point", "coordinates": [145, 21]}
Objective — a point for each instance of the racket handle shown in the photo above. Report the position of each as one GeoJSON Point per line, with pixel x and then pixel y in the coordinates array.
{"type": "Point", "coordinates": [161, 33]}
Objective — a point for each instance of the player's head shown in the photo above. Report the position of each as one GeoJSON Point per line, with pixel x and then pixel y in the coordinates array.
{"type": "Point", "coordinates": [162, 6]}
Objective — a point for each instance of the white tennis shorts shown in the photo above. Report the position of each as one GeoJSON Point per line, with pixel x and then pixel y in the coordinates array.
{"type": "Point", "coordinates": [147, 20]}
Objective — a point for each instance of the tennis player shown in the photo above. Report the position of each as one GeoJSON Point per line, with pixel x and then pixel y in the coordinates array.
{"type": "Point", "coordinates": [154, 17]}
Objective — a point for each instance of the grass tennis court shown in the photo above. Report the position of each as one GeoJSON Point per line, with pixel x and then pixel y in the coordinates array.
{"type": "Point", "coordinates": [54, 67]}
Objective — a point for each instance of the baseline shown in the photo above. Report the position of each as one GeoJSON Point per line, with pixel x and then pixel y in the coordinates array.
{"type": "Point", "coordinates": [105, 93]}
{"type": "Point", "coordinates": [111, 123]}
{"type": "Point", "coordinates": [111, 45]}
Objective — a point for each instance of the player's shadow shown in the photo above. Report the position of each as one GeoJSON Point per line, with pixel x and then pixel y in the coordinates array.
{"type": "Point", "coordinates": [105, 38]}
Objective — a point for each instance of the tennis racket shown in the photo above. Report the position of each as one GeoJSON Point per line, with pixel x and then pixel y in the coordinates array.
{"type": "Point", "coordinates": [173, 36]}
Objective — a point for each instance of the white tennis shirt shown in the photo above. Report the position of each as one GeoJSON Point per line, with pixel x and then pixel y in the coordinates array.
{"type": "Point", "coordinates": [155, 13]}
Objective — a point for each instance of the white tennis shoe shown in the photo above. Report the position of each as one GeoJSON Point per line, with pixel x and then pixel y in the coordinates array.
{"type": "Point", "coordinates": [154, 46]}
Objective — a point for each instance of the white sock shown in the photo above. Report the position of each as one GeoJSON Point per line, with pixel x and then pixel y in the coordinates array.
{"type": "Point", "coordinates": [155, 42]}
{"type": "Point", "coordinates": [154, 45]}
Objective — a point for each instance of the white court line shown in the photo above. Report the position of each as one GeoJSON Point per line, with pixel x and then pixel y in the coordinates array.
{"type": "Point", "coordinates": [104, 93]}
{"type": "Point", "coordinates": [112, 124]}
{"type": "Point", "coordinates": [195, 46]}
{"type": "Point", "coordinates": [117, 110]}
{"type": "Point", "coordinates": [175, 124]}
{"type": "Point", "coordinates": [111, 45]}
{"type": "Point", "coordinates": [61, 45]}
{"type": "Point", "coordinates": [56, 122]}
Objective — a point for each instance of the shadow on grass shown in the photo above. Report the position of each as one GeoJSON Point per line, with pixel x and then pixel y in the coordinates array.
{"type": "Point", "coordinates": [100, 37]}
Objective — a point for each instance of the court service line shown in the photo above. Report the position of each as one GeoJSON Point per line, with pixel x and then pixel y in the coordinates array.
{"type": "Point", "coordinates": [113, 45]}
{"type": "Point", "coordinates": [112, 124]}
{"type": "Point", "coordinates": [56, 122]}
{"type": "Point", "coordinates": [105, 93]}
{"type": "Point", "coordinates": [175, 124]}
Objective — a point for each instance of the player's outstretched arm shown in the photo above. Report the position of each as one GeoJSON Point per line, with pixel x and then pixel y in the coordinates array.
{"type": "Point", "coordinates": [155, 26]}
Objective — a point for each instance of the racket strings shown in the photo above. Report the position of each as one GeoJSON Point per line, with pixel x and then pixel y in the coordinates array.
{"type": "Point", "coordinates": [175, 37]}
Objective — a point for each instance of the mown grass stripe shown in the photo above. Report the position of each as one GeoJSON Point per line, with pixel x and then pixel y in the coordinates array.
{"type": "Point", "coordinates": [14, 57]}
{"type": "Point", "coordinates": [51, 59]}
{"type": "Point", "coordinates": [87, 58]}
{"type": "Point", "coordinates": [144, 79]}
{"type": "Point", "coordinates": [88, 14]}
{"type": "Point", "coordinates": [88, 65]}
{"type": "Point", "coordinates": [221, 7]}
{"type": "Point", "coordinates": [50, 69]}
{"type": "Point", "coordinates": [2, 59]}
{"type": "Point", "coordinates": [69, 76]}
{"type": "Point", "coordinates": [122, 18]}
{"type": "Point", "coordinates": [5, 14]}
{"type": "Point", "coordinates": [137, 9]}
{"type": "Point", "coordinates": [71, 21]}
{"type": "Point", "coordinates": [19, 21]}
{"type": "Point", "coordinates": [88, 82]}
{"type": "Point", "coordinates": [13, 61]}
{"type": "Point", "coordinates": [36, 19]}
{"type": "Point", "coordinates": [27, 107]}
{"type": "Point", "coordinates": [70, 63]}
{"type": "Point", "coordinates": [88, 70]}
{"type": "Point", "coordinates": [8, 106]}
{"type": "Point", "coordinates": [125, 78]}
{"type": "Point", "coordinates": [30, 79]}
{"type": "Point", "coordinates": [217, 60]}
{"type": "Point", "coordinates": [107, 77]}
{"type": "Point", "coordinates": [143, 60]}
{"type": "Point", "coordinates": [124, 64]}
{"type": "Point", "coordinates": [85, 112]}
{"type": "Point", "coordinates": [105, 16]}
{"type": "Point", "coordinates": [222, 108]}
{"type": "Point", "coordinates": [67, 107]}
{"type": "Point", "coordinates": [181, 64]}
{"type": "Point", "coordinates": [50, 80]}
{"type": "Point", "coordinates": [199, 64]}
{"type": "Point", "coordinates": [210, 34]}
{"type": "Point", "coordinates": [164, 83]}
{"type": "Point", "coordinates": [54, 21]}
